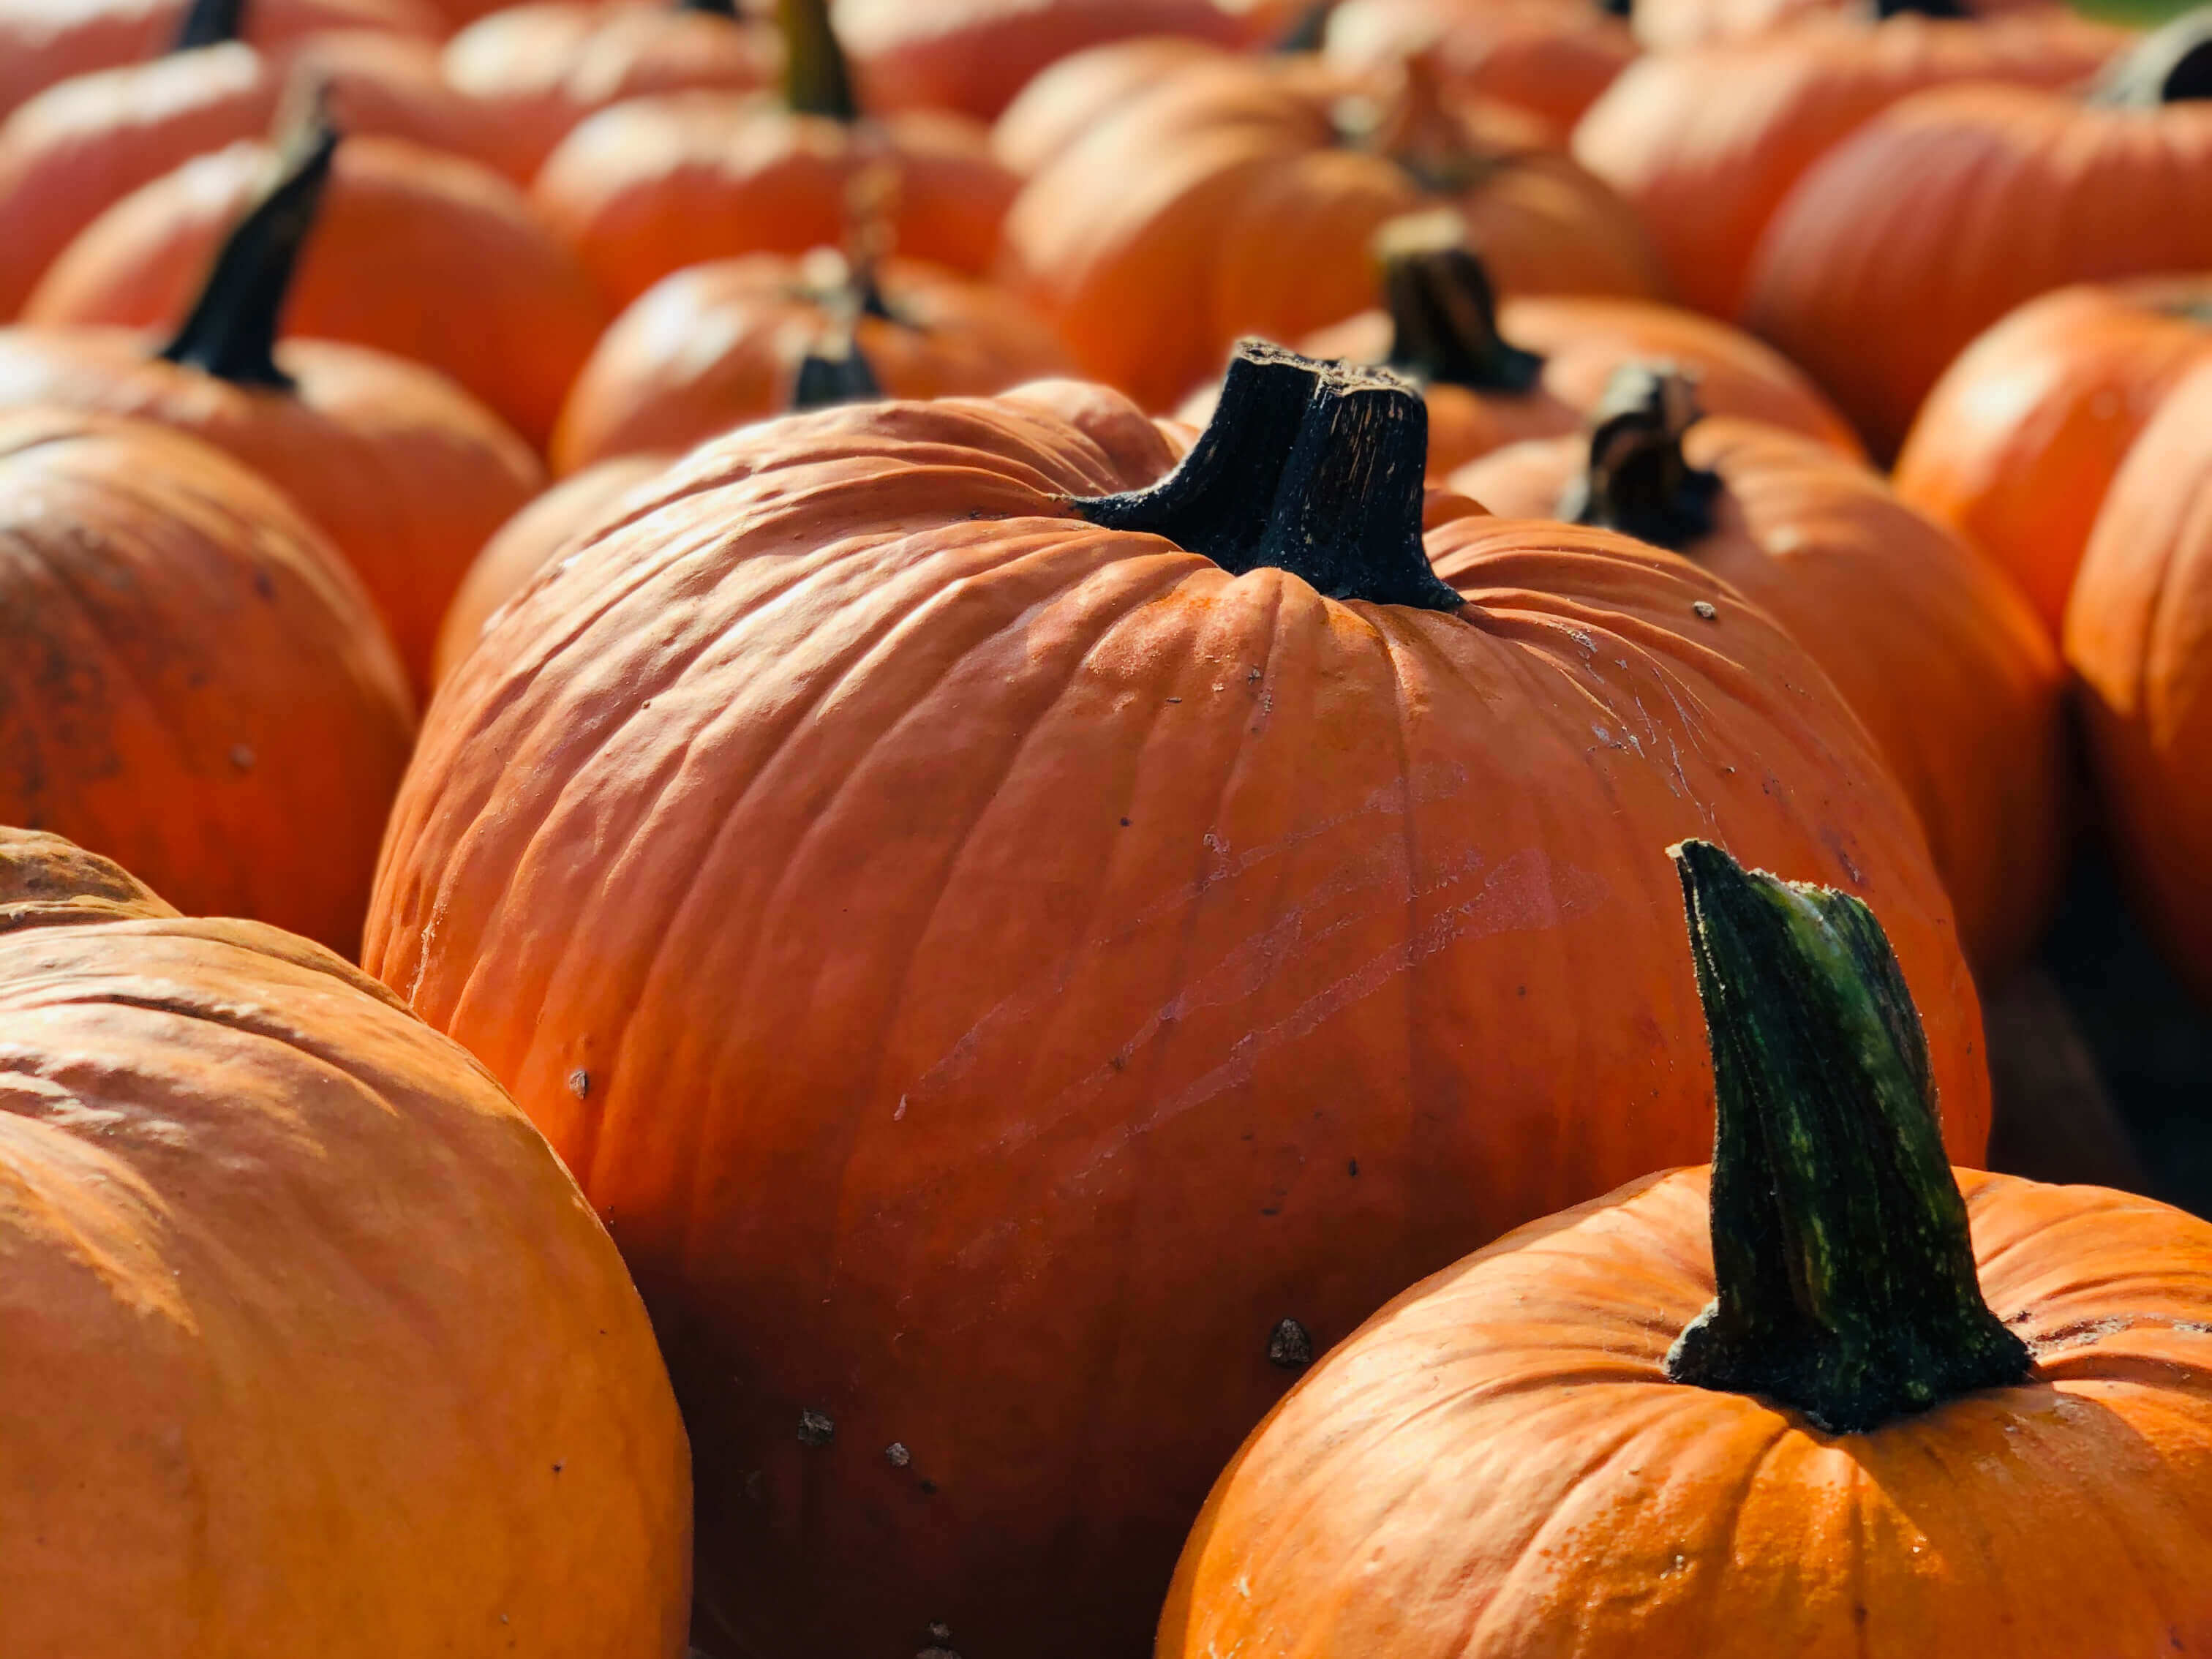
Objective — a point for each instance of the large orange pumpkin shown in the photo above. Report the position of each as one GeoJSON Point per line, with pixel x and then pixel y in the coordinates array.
{"type": "Point", "coordinates": [1000, 934]}
{"type": "Point", "coordinates": [193, 679]}
{"type": "Point", "coordinates": [1238, 200]}
{"type": "Point", "coordinates": [2018, 443]}
{"type": "Point", "coordinates": [312, 1345]}
{"type": "Point", "coordinates": [1932, 648]}
{"type": "Point", "coordinates": [1950, 208]}
{"type": "Point", "coordinates": [403, 469]}
{"type": "Point", "coordinates": [1706, 142]}
{"type": "Point", "coordinates": [2137, 627]}
{"type": "Point", "coordinates": [422, 255]}
{"type": "Point", "coordinates": [1826, 1397]}
{"type": "Point", "coordinates": [716, 345]}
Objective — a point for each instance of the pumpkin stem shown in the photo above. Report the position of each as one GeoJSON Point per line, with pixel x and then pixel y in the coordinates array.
{"type": "Point", "coordinates": [1444, 312]}
{"type": "Point", "coordinates": [816, 80]}
{"type": "Point", "coordinates": [1308, 31]}
{"type": "Point", "coordinates": [231, 329]}
{"type": "Point", "coordinates": [1623, 9]}
{"type": "Point", "coordinates": [1920, 8]}
{"type": "Point", "coordinates": [1316, 468]}
{"type": "Point", "coordinates": [209, 23]}
{"type": "Point", "coordinates": [1639, 482]}
{"type": "Point", "coordinates": [1845, 1272]}
{"type": "Point", "coordinates": [824, 379]}
{"type": "Point", "coordinates": [2170, 66]}
{"type": "Point", "coordinates": [711, 8]}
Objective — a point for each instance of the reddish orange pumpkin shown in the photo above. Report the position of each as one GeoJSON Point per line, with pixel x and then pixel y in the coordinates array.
{"type": "Point", "coordinates": [313, 1345]}
{"type": "Point", "coordinates": [2017, 444]}
{"type": "Point", "coordinates": [1768, 1407]}
{"type": "Point", "coordinates": [1932, 648]}
{"type": "Point", "coordinates": [193, 679]}
{"type": "Point", "coordinates": [1706, 142]}
{"type": "Point", "coordinates": [714, 346]}
{"type": "Point", "coordinates": [421, 255]}
{"type": "Point", "coordinates": [1224, 950]}
{"type": "Point", "coordinates": [1256, 210]}
{"type": "Point", "coordinates": [1951, 208]}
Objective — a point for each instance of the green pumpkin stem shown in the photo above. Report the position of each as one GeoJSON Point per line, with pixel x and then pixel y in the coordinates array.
{"type": "Point", "coordinates": [209, 23]}
{"type": "Point", "coordinates": [1846, 1278]}
{"type": "Point", "coordinates": [231, 331]}
{"type": "Point", "coordinates": [1639, 482]}
{"type": "Point", "coordinates": [1315, 468]}
{"type": "Point", "coordinates": [1444, 312]}
{"type": "Point", "coordinates": [2170, 66]}
{"type": "Point", "coordinates": [816, 80]}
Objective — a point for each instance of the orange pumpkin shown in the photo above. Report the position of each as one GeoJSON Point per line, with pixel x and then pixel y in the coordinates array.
{"type": "Point", "coordinates": [194, 681]}
{"type": "Point", "coordinates": [926, 871]}
{"type": "Point", "coordinates": [1062, 103]}
{"type": "Point", "coordinates": [313, 1345]}
{"type": "Point", "coordinates": [1673, 25]}
{"type": "Point", "coordinates": [404, 471]}
{"type": "Point", "coordinates": [1706, 141]}
{"type": "Point", "coordinates": [571, 510]}
{"type": "Point", "coordinates": [402, 257]}
{"type": "Point", "coordinates": [2135, 637]}
{"type": "Point", "coordinates": [1951, 208]}
{"type": "Point", "coordinates": [717, 345]}
{"type": "Point", "coordinates": [1256, 210]}
{"type": "Point", "coordinates": [1765, 1408]}
{"type": "Point", "coordinates": [543, 67]}
{"type": "Point", "coordinates": [2017, 444]}
{"type": "Point", "coordinates": [1933, 649]}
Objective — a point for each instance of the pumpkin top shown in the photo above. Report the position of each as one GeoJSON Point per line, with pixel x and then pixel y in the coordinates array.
{"type": "Point", "coordinates": [816, 80]}
{"type": "Point", "coordinates": [2171, 65]}
{"type": "Point", "coordinates": [209, 23]}
{"type": "Point", "coordinates": [1639, 483]}
{"type": "Point", "coordinates": [1444, 311]}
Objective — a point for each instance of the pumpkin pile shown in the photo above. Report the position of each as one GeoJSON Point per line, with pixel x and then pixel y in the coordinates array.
{"type": "Point", "coordinates": [996, 694]}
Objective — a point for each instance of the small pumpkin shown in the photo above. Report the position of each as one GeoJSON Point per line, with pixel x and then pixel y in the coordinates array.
{"type": "Point", "coordinates": [2018, 443]}
{"type": "Point", "coordinates": [1933, 649]}
{"type": "Point", "coordinates": [2055, 188]}
{"type": "Point", "coordinates": [1767, 1407]}
{"type": "Point", "coordinates": [313, 1347]}
{"type": "Point", "coordinates": [716, 345]}
{"type": "Point", "coordinates": [1706, 141]}
{"type": "Point", "coordinates": [417, 254]}
{"type": "Point", "coordinates": [193, 679]}
{"type": "Point", "coordinates": [924, 866]}
{"type": "Point", "coordinates": [654, 184]}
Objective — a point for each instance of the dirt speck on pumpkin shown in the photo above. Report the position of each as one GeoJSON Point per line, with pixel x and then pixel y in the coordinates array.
{"type": "Point", "coordinates": [241, 756]}
{"type": "Point", "coordinates": [580, 1083]}
{"type": "Point", "coordinates": [816, 1428]}
{"type": "Point", "coordinates": [1290, 1347]}
{"type": "Point", "coordinates": [1352, 1168]}
{"type": "Point", "coordinates": [1706, 609]}
{"type": "Point", "coordinates": [897, 1456]}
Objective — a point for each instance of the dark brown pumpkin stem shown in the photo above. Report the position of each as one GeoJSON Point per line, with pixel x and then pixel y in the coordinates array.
{"type": "Point", "coordinates": [1639, 482]}
{"type": "Point", "coordinates": [209, 23]}
{"type": "Point", "coordinates": [1315, 468]}
{"type": "Point", "coordinates": [1623, 9]}
{"type": "Point", "coordinates": [232, 329]}
{"type": "Point", "coordinates": [1920, 8]}
{"type": "Point", "coordinates": [1308, 31]}
{"type": "Point", "coordinates": [2170, 66]}
{"type": "Point", "coordinates": [1845, 1273]}
{"type": "Point", "coordinates": [835, 377]}
{"type": "Point", "coordinates": [816, 80]}
{"type": "Point", "coordinates": [711, 8]}
{"type": "Point", "coordinates": [1444, 312]}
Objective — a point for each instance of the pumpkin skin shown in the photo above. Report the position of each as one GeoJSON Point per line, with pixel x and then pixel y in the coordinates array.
{"type": "Point", "coordinates": [530, 541]}
{"type": "Point", "coordinates": [1672, 25]}
{"type": "Point", "coordinates": [716, 345]}
{"type": "Point", "coordinates": [873, 647]}
{"type": "Point", "coordinates": [1061, 103]}
{"type": "Point", "coordinates": [2134, 637]}
{"type": "Point", "coordinates": [1933, 649]}
{"type": "Point", "coordinates": [398, 262]}
{"type": "Point", "coordinates": [194, 680]}
{"type": "Point", "coordinates": [1706, 142]}
{"type": "Point", "coordinates": [243, 1386]}
{"type": "Point", "coordinates": [2017, 444]}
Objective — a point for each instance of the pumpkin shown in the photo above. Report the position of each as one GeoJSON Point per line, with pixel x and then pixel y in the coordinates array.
{"type": "Point", "coordinates": [1062, 103]}
{"type": "Point", "coordinates": [1706, 141]}
{"type": "Point", "coordinates": [535, 535]}
{"type": "Point", "coordinates": [1932, 648]}
{"type": "Point", "coordinates": [405, 253]}
{"type": "Point", "coordinates": [654, 184]}
{"type": "Point", "coordinates": [2054, 189]}
{"type": "Point", "coordinates": [719, 344]}
{"type": "Point", "coordinates": [44, 42]}
{"type": "Point", "coordinates": [193, 680]}
{"type": "Point", "coordinates": [926, 870]}
{"type": "Point", "coordinates": [403, 469]}
{"type": "Point", "coordinates": [313, 1345]}
{"type": "Point", "coordinates": [1672, 25]}
{"type": "Point", "coordinates": [1767, 1406]}
{"type": "Point", "coordinates": [542, 67]}
{"type": "Point", "coordinates": [2018, 443]}
{"type": "Point", "coordinates": [1261, 192]}
{"type": "Point", "coordinates": [2134, 636]}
